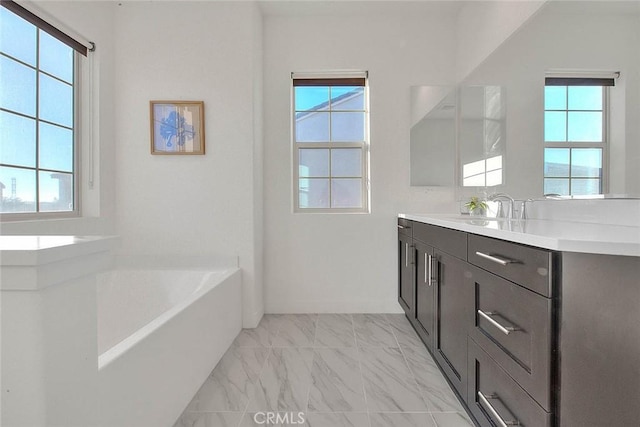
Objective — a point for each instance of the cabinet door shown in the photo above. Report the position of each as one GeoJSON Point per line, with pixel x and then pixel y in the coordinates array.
{"type": "Point", "coordinates": [425, 293]}
{"type": "Point", "coordinates": [406, 288]}
{"type": "Point", "coordinates": [454, 302]}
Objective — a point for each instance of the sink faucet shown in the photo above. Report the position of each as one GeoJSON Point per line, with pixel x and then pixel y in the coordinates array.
{"type": "Point", "coordinates": [499, 197]}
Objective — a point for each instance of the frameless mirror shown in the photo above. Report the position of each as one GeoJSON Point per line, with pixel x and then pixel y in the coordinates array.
{"type": "Point", "coordinates": [433, 135]}
{"type": "Point", "coordinates": [481, 138]}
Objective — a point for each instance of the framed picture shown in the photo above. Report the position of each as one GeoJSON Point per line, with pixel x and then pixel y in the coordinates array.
{"type": "Point", "coordinates": [177, 127]}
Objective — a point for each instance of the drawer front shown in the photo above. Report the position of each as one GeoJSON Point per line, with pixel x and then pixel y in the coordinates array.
{"type": "Point", "coordinates": [514, 325]}
{"type": "Point", "coordinates": [405, 227]}
{"type": "Point", "coordinates": [495, 399]}
{"type": "Point", "coordinates": [450, 241]}
{"type": "Point", "coordinates": [527, 266]}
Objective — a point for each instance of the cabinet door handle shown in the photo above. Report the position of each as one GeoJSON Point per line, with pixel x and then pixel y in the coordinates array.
{"type": "Point", "coordinates": [504, 329]}
{"type": "Point", "coordinates": [496, 417]}
{"type": "Point", "coordinates": [427, 268]}
{"type": "Point", "coordinates": [406, 255]}
{"type": "Point", "coordinates": [497, 259]}
{"type": "Point", "coordinates": [402, 227]}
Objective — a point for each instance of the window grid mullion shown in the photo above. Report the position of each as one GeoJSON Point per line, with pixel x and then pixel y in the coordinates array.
{"type": "Point", "coordinates": [38, 120]}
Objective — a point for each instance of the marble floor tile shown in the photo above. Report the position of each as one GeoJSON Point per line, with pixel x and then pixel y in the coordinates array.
{"type": "Point", "coordinates": [338, 419]}
{"type": "Point", "coordinates": [228, 386]}
{"type": "Point", "coordinates": [209, 419]}
{"type": "Point", "coordinates": [284, 381]}
{"type": "Point", "coordinates": [373, 330]}
{"type": "Point", "coordinates": [404, 332]}
{"type": "Point", "coordinates": [433, 386]}
{"type": "Point", "coordinates": [335, 330]}
{"type": "Point", "coordinates": [296, 330]}
{"type": "Point", "coordinates": [401, 419]}
{"type": "Point", "coordinates": [260, 336]}
{"type": "Point", "coordinates": [389, 384]}
{"type": "Point", "coordinates": [336, 381]}
{"type": "Point", "coordinates": [452, 419]}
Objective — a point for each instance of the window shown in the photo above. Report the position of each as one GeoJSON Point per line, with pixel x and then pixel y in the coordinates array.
{"type": "Point", "coordinates": [330, 143]}
{"type": "Point", "coordinates": [38, 85]}
{"type": "Point", "coordinates": [575, 134]}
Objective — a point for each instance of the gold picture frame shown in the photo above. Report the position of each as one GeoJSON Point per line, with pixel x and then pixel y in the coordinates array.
{"type": "Point", "coordinates": [177, 127]}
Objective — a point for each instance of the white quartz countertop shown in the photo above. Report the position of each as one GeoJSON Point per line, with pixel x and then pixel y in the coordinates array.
{"type": "Point", "coordinates": [567, 236]}
{"type": "Point", "coordinates": [37, 250]}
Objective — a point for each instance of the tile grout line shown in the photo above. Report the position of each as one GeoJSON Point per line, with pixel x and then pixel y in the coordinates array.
{"type": "Point", "coordinates": [313, 359]}
{"type": "Point", "coordinates": [413, 375]}
{"type": "Point", "coordinates": [364, 390]}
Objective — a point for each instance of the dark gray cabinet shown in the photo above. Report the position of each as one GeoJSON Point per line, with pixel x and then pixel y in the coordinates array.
{"type": "Point", "coordinates": [425, 292]}
{"type": "Point", "coordinates": [452, 319]}
{"type": "Point", "coordinates": [406, 287]}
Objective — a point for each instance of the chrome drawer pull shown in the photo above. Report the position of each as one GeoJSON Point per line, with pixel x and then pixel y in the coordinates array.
{"type": "Point", "coordinates": [501, 422]}
{"type": "Point", "coordinates": [504, 329]}
{"type": "Point", "coordinates": [497, 259]}
{"type": "Point", "coordinates": [402, 227]}
{"type": "Point", "coordinates": [427, 268]}
{"type": "Point", "coordinates": [406, 255]}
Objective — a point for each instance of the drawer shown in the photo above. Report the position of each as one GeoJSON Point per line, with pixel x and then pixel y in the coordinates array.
{"type": "Point", "coordinates": [514, 326]}
{"type": "Point", "coordinates": [495, 399]}
{"type": "Point", "coordinates": [405, 227]}
{"type": "Point", "coordinates": [450, 241]}
{"type": "Point", "coordinates": [530, 267]}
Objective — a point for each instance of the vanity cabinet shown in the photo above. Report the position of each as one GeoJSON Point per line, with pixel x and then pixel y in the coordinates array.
{"type": "Point", "coordinates": [406, 282]}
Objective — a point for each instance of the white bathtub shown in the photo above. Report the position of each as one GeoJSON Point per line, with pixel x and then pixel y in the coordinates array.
{"type": "Point", "coordinates": [160, 333]}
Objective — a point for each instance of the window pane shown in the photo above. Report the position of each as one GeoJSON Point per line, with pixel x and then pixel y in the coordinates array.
{"type": "Point", "coordinates": [555, 97]}
{"type": "Point", "coordinates": [56, 148]}
{"type": "Point", "coordinates": [56, 101]}
{"type": "Point", "coordinates": [56, 58]}
{"type": "Point", "coordinates": [556, 162]}
{"type": "Point", "coordinates": [346, 162]}
{"type": "Point", "coordinates": [586, 162]}
{"type": "Point", "coordinates": [556, 186]}
{"type": "Point", "coordinates": [56, 191]}
{"type": "Point", "coordinates": [313, 193]}
{"type": "Point", "coordinates": [17, 87]}
{"type": "Point", "coordinates": [18, 188]}
{"type": "Point", "coordinates": [17, 140]}
{"type": "Point", "coordinates": [347, 98]}
{"type": "Point", "coordinates": [346, 193]}
{"type": "Point", "coordinates": [555, 126]}
{"type": "Point", "coordinates": [311, 98]}
{"type": "Point", "coordinates": [312, 127]}
{"type": "Point", "coordinates": [583, 187]}
{"type": "Point", "coordinates": [585, 127]}
{"type": "Point", "coordinates": [314, 162]}
{"type": "Point", "coordinates": [17, 37]}
{"type": "Point", "coordinates": [585, 97]}
{"type": "Point", "coordinates": [347, 126]}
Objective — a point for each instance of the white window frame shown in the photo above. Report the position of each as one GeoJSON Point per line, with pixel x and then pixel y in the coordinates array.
{"type": "Point", "coordinates": [362, 145]}
{"type": "Point", "coordinates": [48, 24]}
{"type": "Point", "coordinates": [603, 145]}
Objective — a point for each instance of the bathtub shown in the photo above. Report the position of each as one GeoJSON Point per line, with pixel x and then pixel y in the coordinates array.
{"type": "Point", "coordinates": [160, 333]}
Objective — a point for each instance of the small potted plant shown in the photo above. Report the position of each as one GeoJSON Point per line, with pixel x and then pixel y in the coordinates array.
{"type": "Point", "coordinates": [476, 207]}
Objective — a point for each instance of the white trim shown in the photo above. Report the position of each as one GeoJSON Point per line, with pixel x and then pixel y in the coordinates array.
{"type": "Point", "coordinates": [337, 74]}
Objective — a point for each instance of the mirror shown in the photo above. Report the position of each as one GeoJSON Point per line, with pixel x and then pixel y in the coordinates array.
{"type": "Point", "coordinates": [482, 136]}
{"type": "Point", "coordinates": [433, 135]}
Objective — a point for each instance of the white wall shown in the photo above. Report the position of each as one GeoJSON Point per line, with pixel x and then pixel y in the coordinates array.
{"type": "Point", "coordinates": [482, 26]}
{"type": "Point", "coordinates": [574, 36]}
{"type": "Point", "coordinates": [347, 262]}
{"type": "Point", "coordinates": [94, 21]}
{"type": "Point", "coordinates": [192, 205]}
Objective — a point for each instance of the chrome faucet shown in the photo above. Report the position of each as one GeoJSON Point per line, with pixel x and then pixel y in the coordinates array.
{"type": "Point", "coordinates": [499, 197]}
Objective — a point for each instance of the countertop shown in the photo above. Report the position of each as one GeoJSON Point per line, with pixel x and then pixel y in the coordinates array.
{"type": "Point", "coordinates": [37, 250]}
{"type": "Point", "coordinates": [564, 236]}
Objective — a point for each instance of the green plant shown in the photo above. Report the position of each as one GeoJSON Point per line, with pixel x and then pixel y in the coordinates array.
{"type": "Point", "coordinates": [476, 204]}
